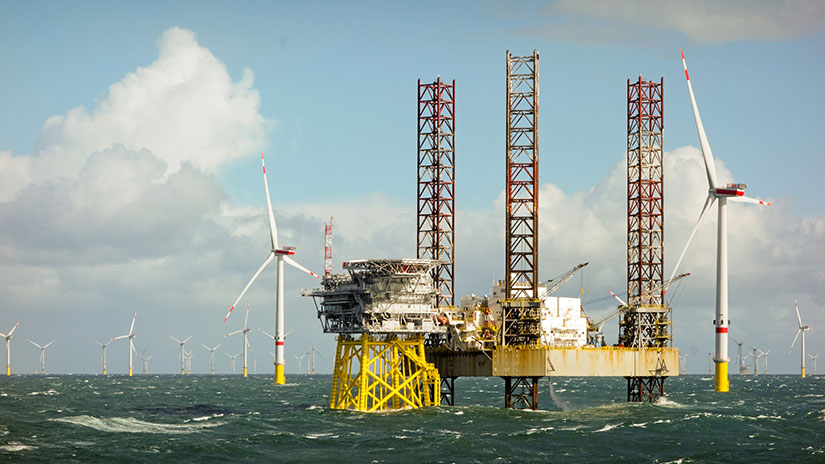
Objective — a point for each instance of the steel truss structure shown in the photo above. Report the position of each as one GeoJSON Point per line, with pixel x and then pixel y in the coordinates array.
{"type": "Point", "coordinates": [521, 306]}
{"type": "Point", "coordinates": [383, 373]}
{"type": "Point", "coordinates": [436, 184]}
{"type": "Point", "coordinates": [521, 393]}
{"type": "Point", "coordinates": [647, 322]}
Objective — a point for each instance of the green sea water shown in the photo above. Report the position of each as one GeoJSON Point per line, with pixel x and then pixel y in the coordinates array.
{"type": "Point", "coordinates": [201, 418]}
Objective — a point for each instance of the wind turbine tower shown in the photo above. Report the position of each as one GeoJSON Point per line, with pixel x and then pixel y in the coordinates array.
{"type": "Point", "coordinates": [722, 194]}
{"type": "Point", "coordinates": [182, 357]}
{"type": "Point", "coordinates": [131, 337]}
{"type": "Point", "coordinates": [103, 357]}
{"type": "Point", "coordinates": [742, 369]}
{"type": "Point", "coordinates": [188, 356]}
{"type": "Point", "coordinates": [813, 357]}
{"type": "Point", "coordinates": [211, 357]}
{"type": "Point", "coordinates": [802, 329]}
{"type": "Point", "coordinates": [42, 354]}
{"type": "Point", "coordinates": [233, 361]}
{"type": "Point", "coordinates": [8, 347]}
{"type": "Point", "coordinates": [282, 254]}
{"type": "Point", "coordinates": [243, 331]}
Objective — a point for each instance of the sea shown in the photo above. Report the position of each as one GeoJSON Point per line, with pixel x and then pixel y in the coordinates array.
{"type": "Point", "coordinates": [223, 418]}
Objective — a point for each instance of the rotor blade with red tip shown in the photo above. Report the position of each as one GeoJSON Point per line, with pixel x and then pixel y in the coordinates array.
{"type": "Point", "coordinates": [298, 266]}
{"type": "Point", "coordinates": [257, 273]}
{"type": "Point", "coordinates": [710, 168]}
{"type": "Point", "coordinates": [798, 317]}
{"type": "Point", "coordinates": [233, 333]}
{"type": "Point", "coordinates": [13, 329]}
{"type": "Point", "coordinates": [132, 328]}
{"type": "Point", "coordinates": [273, 229]}
{"type": "Point", "coordinates": [246, 319]}
{"type": "Point", "coordinates": [708, 203]}
{"type": "Point", "coordinates": [744, 199]}
{"type": "Point", "coordinates": [617, 297]}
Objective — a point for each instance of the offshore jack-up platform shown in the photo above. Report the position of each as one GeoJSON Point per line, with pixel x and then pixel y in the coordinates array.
{"type": "Point", "coordinates": [403, 341]}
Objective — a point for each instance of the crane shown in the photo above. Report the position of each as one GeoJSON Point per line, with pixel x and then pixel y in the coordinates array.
{"type": "Point", "coordinates": [556, 283]}
{"type": "Point", "coordinates": [624, 307]}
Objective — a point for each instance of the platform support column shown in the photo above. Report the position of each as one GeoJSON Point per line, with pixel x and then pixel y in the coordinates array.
{"type": "Point", "coordinates": [521, 393]}
{"type": "Point", "coordinates": [448, 390]}
{"type": "Point", "coordinates": [382, 374]}
{"type": "Point", "coordinates": [645, 389]}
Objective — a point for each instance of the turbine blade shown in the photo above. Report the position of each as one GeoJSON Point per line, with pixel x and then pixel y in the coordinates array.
{"type": "Point", "coordinates": [744, 199]}
{"type": "Point", "coordinates": [798, 317]}
{"type": "Point", "coordinates": [48, 344]}
{"type": "Point", "coordinates": [173, 338]}
{"type": "Point", "coordinates": [708, 203]}
{"type": "Point", "coordinates": [246, 319]}
{"type": "Point", "coordinates": [257, 273]}
{"type": "Point", "coordinates": [298, 266]}
{"type": "Point", "coordinates": [794, 340]}
{"type": "Point", "coordinates": [233, 333]}
{"type": "Point", "coordinates": [101, 344]}
{"type": "Point", "coordinates": [13, 329]}
{"type": "Point", "coordinates": [273, 229]}
{"type": "Point", "coordinates": [267, 333]}
{"type": "Point", "coordinates": [210, 349]}
{"type": "Point", "coordinates": [190, 337]}
{"type": "Point", "coordinates": [617, 298]}
{"type": "Point", "coordinates": [33, 343]}
{"type": "Point", "coordinates": [132, 328]}
{"type": "Point", "coordinates": [710, 168]}
{"type": "Point", "coordinates": [118, 338]}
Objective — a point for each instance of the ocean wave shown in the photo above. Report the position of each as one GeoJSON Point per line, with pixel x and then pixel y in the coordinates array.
{"type": "Point", "coordinates": [203, 418]}
{"type": "Point", "coordinates": [607, 427]}
{"type": "Point", "coordinates": [132, 425]}
{"type": "Point", "coordinates": [13, 446]}
{"type": "Point", "coordinates": [48, 392]}
{"type": "Point", "coordinates": [668, 403]}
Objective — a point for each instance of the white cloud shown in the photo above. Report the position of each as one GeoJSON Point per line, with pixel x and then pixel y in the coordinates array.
{"type": "Point", "coordinates": [183, 107]}
{"type": "Point", "coordinates": [705, 21]}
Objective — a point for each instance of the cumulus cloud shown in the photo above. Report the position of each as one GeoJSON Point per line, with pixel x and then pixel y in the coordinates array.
{"type": "Point", "coordinates": [705, 21]}
{"type": "Point", "coordinates": [183, 107]}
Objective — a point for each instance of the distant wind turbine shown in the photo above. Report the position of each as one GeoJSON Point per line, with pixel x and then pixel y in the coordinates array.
{"type": "Point", "coordinates": [211, 357]}
{"type": "Point", "coordinates": [233, 361]}
{"type": "Point", "coordinates": [245, 332]}
{"type": "Point", "coordinates": [802, 329]}
{"type": "Point", "coordinates": [103, 346]}
{"type": "Point", "coordinates": [813, 357]}
{"type": "Point", "coordinates": [731, 192]}
{"type": "Point", "coordinates": [765, 366]}
{"type": "Point", "coordinates": [8, 347]}
{"type": "Point", "coordinates": [182, 359]}
{"type": "Point", "coordinates": [282, 254]}
{"type": "Point", "coordinates": [188, 357]}
{"type": "Point", "coordinates": [130, 336]}
{"type": "Point", "coordinates": [42, 354]}
{"type": "Point", "coordinates": [299, 359]}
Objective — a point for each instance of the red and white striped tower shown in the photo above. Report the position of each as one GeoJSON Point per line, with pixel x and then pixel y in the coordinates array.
{"type": "Point", "coordinates": [328, 249]}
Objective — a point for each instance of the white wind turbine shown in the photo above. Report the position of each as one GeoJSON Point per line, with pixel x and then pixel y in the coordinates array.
{"type": "Point", "coordinates": [42, 354]}
{"type": "Point", "coordinates": [130, 336]}
{"type": "Point", "coordinates": [182, 358]}
{"type": "Point", "coordinates": [765, 366]}
{"type": "Point", "coordinates": [8, 347]}
{"type": "Point", "coordinates": [146, 363]}
{"type": "Point", "coordinates": [813, 357]}
{"type": "Point", "coordinates": [245, 332]}
{"type": "Point", "coordinates": [211, 357]}
{"type": "Point", "coordinates": [299, 359]}
{"type": "Point", "coordinates": [188, 356]}
{"type": "Point", "coordinates": [103, 346]}
{"type": "Point", "coordinates": [233, 361]}
{"type": "Point", "coordinates": [802, 330]}
{"type": "Point", "coordinates": [730, 192]}
{"type": "Point", "coordinates": [282, 254]}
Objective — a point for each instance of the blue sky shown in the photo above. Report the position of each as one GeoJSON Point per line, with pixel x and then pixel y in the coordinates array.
{"type": "Point", "coordinates": [329, 96]}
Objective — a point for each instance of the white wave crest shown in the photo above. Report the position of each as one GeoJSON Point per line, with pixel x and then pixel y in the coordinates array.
{"type": "Point", "coordinates": [607, 427]}
{"type": "Point", "coordinates": [132, 425]}
{"type": "Point", "coordinates": [13, 446]}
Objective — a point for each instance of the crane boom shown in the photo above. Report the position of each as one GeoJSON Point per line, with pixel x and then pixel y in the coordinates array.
{"type": "Point", "coordinates": [556, 283]}
{"type": "Point", "coordinates": [597, 326]}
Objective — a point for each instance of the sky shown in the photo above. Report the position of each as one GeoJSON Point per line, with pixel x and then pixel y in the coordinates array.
{"type": "Point", "coordinates": [130, 143]}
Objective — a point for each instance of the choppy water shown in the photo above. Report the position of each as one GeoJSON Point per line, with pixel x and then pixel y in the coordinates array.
{"type": "Point", "coordinates": [231, 419]}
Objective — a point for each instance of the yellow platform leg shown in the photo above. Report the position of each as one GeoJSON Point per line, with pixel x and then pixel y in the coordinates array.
{"type": "Point", "coordinates": [244, 372]}
{"type": "Point", "coordinates": [803, 372]}
{"type": "Point", "coordinates": [721, 379]}
{"type": "Point", "coordinates": [8, 370]}
{"type": "Point", "coordinates": [383, 374]}
{"type": "Point", "coordinates": [279, 374]}
{"type": "Point", "coordinates": [130, 372]}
